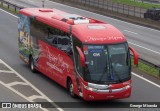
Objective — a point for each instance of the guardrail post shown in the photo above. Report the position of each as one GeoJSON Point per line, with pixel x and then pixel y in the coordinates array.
{"type": "Point", "coordinates": [8, 6]}
{"type": "Point", "coordinates": [107, 5]}
{"type": "Point", "coordinates": [2, 3]}
{"type": "Point", "coordinates": [98, 3]}
{"type": "Point", "coordinates": [43, 3]}
{"type": "Point", "coordinates": [140, 12]}
{"type": "Point", "coordinates": [123, 8]}
{"type": "Point", "coordinates": [134, 11]}
{"type": "Point", "coordinates": [117, 6]}
{"type": "Point", "coordinates": [112, 6]}
{"type": "Point", "coordinates": [15, 8]}
{"type": "Point", "coordinates": [128, 11]}
{"type": "Point", "coordinates": [103, 5]}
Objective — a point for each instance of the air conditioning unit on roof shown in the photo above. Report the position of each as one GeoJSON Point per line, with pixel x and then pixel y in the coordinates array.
{"type": "Point", "coordinates": [76, 19]}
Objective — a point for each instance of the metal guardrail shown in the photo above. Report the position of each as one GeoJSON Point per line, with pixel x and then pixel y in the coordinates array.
{"type": "Point", "coordinates": [115, 7]}
{"type": "Point", "coordinates": [148, 1]}
{"type": "Point", "coordinates": [10, 5]}
{"type": "Point", "coordinates": [17, 8]}
{"type": "Point", "coordinates": [149, 64]}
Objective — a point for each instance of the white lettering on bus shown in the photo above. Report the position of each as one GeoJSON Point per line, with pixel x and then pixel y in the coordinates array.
{"type": "Point", "coordinates": [53, 66]}
{"type": "Point", "coordinates": [104, 38]}
{"type": "Point", "coordinates": [56, 62]}
{"type": "Point", "coordinates": [96, 54]}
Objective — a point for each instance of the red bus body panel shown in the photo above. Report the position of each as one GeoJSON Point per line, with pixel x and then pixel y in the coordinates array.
{"type": "Point", "coordinates": [57, 65]}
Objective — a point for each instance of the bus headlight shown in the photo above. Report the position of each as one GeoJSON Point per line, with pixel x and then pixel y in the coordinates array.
{"type": "Point", "coordinates": [89, 88]}
{"type": "Point", "coordinates": [127, 87]}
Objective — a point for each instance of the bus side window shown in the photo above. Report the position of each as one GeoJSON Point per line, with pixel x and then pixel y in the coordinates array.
{"type": "Point", "coordinates": [63, 41]}
{"type": "Point", "coordinates": [57, 38]}
{"type": "Point", "coordinates": [50, 33]}
{"type": "Point", "coordinates": [37, 32]}
{"type": "Point", "coordinates": [55, 41]}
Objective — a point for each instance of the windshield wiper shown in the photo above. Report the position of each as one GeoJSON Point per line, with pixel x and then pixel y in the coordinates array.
{"type": "Point", "coordinates": [127, 58]}
{"type": "Point", "coordinates": [104, 72]}
{"type": "Point", "coordinates": [115, 72]}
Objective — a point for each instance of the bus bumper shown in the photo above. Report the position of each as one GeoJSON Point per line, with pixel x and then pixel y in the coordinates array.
{"type": "Point", "coordinates": [96, 96]}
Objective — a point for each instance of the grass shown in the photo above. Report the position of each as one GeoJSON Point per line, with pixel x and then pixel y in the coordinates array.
{"type": "Point", "coordinates": [137, 4]}
{"type": "Point", "coordinates": [147, 69]}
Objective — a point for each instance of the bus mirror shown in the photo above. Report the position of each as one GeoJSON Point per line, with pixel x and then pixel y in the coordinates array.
{"type": "Point", "coordinates": [135, 55]}
{"type": "Point", "coordinates": [82, 58]}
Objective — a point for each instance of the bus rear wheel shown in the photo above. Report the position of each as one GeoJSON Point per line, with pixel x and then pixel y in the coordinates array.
{"type": "Point", "coordinates": [31, 65]}
{"type": "Point", "coordinates": [71, 88]}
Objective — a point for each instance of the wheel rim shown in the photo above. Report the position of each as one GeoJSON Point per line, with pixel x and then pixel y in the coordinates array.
{"type": "Point", "coordinates": [71, 88]}
{"type": "Point", "coordinates": [32, 66]}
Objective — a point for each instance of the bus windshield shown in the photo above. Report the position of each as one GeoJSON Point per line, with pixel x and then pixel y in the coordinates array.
{"type": "Point", "coordinates": [107, 63]}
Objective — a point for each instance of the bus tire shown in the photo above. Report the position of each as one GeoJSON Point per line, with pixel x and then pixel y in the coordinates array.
{"type": "Point", "coordinates": [70, 88]}
{"type": "Point", "coordinates": [31, 65]}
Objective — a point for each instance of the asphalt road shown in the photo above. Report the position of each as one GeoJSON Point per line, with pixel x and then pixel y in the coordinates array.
{"type": "Point", "coordinates": [6, 95]}
{"type": "Point", "coordinates": [142, 91]}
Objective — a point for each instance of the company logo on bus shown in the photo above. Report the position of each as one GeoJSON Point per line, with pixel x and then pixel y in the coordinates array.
{"type": "Point", "coordinates": [56, 62]}
{"type": "Point", "coordinates": [104, 38]}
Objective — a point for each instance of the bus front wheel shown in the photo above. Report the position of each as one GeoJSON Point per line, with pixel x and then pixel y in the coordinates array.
{"type": "Point", "coordinates": [71, 88]}
{"type": "Point", "coordinates": [31, 65]}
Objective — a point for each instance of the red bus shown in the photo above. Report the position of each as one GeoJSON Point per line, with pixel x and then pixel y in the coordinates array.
{"type": "Point", "coordinates": [88, 57]}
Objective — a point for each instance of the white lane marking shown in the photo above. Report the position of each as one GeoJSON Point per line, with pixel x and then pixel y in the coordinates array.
{"type": "Point", "coordinates": [104, 16]}
{"type": "Point", "coordinates": [18, 93]}
{"type": "Point", "coordinates": [153, 83]}
{"type": "Point", "coordinates": [30, 1]}
{"type": "Point", "coordinates": [16, 83]}
{"type": "Point", "coordinates": [130, 32]}
{"type": "Point", "coordinates": [144, 48]}
{"type": "Point", "coordinates": [3, 71]}
{"type": "Point", "coordinates": [35, 97]}
{"type": "Point", "coordinates": [8, 13]}
{"type": "Point", "coordinates": [26, 81]}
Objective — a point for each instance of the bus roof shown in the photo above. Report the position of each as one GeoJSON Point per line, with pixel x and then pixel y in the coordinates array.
{"type": "Point", "coordinates": [88, 30]}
